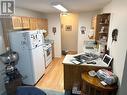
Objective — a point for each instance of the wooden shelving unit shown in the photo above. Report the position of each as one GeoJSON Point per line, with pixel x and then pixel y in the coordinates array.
{"type": "Point", "coordinates": [100, 25]}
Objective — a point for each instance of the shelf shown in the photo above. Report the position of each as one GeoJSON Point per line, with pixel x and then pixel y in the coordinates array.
{"type": "Point", "coordinates": [92, 86]}
{"type": "Point", "coordinates": [103, 32]}
{"type": "Point", "coordinates": [104, 23]}
{"type": "Point", "coordinates": [102, 42]}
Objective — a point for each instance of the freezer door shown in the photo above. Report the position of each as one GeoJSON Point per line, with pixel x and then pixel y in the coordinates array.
{"type": "Point", "coordinates": [32, 40]}
{"type": "Point", "coordinates": [37, 60]}
{"type": "Point", "coordinates": [35, 39]}
{"type": "Point", "coordinates": [40, 37]}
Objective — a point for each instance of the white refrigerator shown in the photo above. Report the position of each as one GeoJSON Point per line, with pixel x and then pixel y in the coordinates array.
{"type": "Point", "coordinates": [31, 64]}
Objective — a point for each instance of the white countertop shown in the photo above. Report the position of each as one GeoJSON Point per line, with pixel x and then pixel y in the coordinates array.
{"type": "Point", "coordinates": [99, 62]}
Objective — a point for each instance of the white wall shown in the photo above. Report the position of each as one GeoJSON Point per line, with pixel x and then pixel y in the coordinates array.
{"type": "Point", "coordinates": [123, 87]}
{"type": "Point", "coordinates": [29, 13]}
{"type": "Point", "coordinates": [84, 20]}
{"type": "Point", "coordinates": [69, 38]}
{"type": "Point", "coordinates": [118, 8]}
{"type": "Point", "coordinates": [54, 21]}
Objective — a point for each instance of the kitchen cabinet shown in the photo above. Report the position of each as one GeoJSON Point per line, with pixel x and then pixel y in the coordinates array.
{"type": "Point", "coordinates": [20, 23]}
{"type": "Point", "coordinates": [33, 23]}
{"type": "Point", "coordinates": [45, 24]}
{"type": "Point", "coordinates": [25, 22]}
{"type": "Point", "coordinates": [16, 22]}
{"type": "Point", "coordinates": [42, 23]}
{"type": "Point", "coordinates": [39, 23]}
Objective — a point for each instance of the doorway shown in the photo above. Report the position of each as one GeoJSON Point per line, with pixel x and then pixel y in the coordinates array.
{"type": "Point", "coordinates": [69, 33]}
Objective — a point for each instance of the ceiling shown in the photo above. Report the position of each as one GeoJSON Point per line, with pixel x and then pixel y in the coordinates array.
{"type": "Point", "coordinates": [45, 6]}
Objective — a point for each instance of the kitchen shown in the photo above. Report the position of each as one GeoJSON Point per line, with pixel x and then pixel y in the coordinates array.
{"type": "Point", "coordinates": [85, 20]}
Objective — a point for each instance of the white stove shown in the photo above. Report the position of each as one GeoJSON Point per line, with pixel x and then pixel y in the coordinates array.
{"type": "Point", "coordinates": [47, 53]}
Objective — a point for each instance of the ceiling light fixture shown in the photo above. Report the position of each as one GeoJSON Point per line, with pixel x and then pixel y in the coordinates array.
{"type": "Point", "coordinates": [60, 7]}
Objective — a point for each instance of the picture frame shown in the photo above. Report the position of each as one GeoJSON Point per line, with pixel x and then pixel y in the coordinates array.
{"type": "Point", "coordinates": [83, 29]}
{"type": "Point", "coordinates": [68, 27]}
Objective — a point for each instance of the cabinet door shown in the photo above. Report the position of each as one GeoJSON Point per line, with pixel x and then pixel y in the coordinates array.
{"type": "Point", "coordinates": [39, 23]}
{"type": "Point", "coordinates": [25, 23]}
{"type": "Point", "coordinates": [42, 23]}
{"type": "Point", "coordinates": [17, 22]}
{"type": "Point", "coordinates": [33, 23]}
{"type": "Point", "coordinates": [46, 24]}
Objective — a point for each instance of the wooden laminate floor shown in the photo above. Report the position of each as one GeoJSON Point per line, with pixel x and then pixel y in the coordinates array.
{"type": "Point", "coordinates": [53, 77]}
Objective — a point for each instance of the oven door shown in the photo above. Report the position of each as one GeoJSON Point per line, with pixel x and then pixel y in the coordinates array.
{"type": "Point", "coordinates": [48, 55]}
{"type": "Point", "coordinates": [48, 52]}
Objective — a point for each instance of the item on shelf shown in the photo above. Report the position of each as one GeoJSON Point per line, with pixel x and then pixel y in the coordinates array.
{"type": "Point", "coordinates": [76, 88]}
{"type": "Point", "coordinates": [90, 44]}
{"type": "Point", "coordinates": [91, 34]}
{"type": "Point", "coordinates": [102, 29]}
{"type": "Point", "coordinates": [107, 76]}
{"type": "Point", "coordinates": [103, 40]}
{"type": "Point", "coordinates": [103, 83]}
{"type": "Point", "coordinates": [92, 73]}
{"type": "Point", "coordinates": [102, 49]}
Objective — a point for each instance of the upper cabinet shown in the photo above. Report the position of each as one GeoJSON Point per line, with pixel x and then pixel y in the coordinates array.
{"type": "Point", "coordinates": [38, 23]}
{"type": "Point", "coordinates": [33, 23]}
{"type": "Point", "coordinates": [16, 22]}
{"type": "Point", "coordinates": [25, 22]}
{"type": "Point", "coordinates": [42, 23]}
{"type": "Point", "coordinates": [21, 23]}
{"type": "Point", "coordinates": [100, 24]}
{"type": "Point", "coordinates": [45, 24]}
